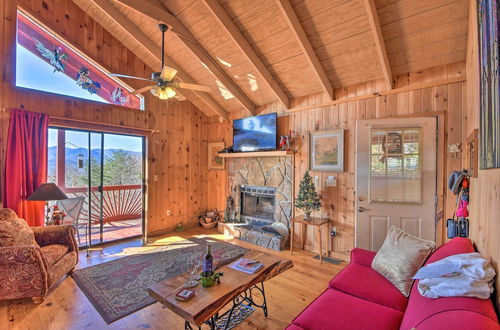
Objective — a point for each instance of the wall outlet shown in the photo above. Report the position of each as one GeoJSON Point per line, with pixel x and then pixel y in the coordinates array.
{"type": "Point", "coordinates": [331, 181]}
{"type": "Point", "coordinates": [333, 233]}
{"type": "Point", "coordinates": [169, 213]}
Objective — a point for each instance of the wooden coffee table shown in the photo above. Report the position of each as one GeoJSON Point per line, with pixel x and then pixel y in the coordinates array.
{"type": "Point", "coordinates": [235, 287]}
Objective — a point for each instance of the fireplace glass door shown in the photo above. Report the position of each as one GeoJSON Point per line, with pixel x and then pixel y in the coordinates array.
{"type": "Point", "coordinates": [258, 204]}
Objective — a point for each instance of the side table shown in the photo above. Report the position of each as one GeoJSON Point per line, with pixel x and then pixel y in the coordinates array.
{"type": "Point", "coordinates": [313, 221]}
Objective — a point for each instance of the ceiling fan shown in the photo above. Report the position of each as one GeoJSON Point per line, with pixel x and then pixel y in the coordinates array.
{"type": "Point", "coordinates": [164, 87]}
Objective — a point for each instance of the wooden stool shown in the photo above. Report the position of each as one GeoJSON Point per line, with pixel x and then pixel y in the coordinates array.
{"type": "Point", "coordinates": [313, 221]}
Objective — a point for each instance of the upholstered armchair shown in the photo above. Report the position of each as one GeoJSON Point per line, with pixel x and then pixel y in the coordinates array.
{"type": "Point", "coordinates": [33, 259]}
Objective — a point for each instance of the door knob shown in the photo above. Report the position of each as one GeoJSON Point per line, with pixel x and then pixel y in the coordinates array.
{"type": "Point", "coordinates": [361, 209]}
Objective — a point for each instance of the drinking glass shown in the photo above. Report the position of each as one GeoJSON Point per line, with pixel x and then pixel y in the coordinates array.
{"type": "Point", "coordinates": [194, 264]}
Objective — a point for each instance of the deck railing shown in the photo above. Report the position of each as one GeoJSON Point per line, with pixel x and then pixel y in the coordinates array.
{"type": "Point", "coordinates": [119, 203]}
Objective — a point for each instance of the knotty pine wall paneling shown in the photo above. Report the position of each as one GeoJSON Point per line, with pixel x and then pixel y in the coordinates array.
{"type": "Point", "coordinates": [175, 154]}
{"type": "Point", "coordinates": [443, 101]}
{"type": "Point", "coordinates": [485, 189]}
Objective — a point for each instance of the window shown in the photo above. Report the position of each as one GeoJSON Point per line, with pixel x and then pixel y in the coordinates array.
{"type": "Point", "coordinates": [46, 62]}
{"type": "Point", "coordinates": [395, 165]}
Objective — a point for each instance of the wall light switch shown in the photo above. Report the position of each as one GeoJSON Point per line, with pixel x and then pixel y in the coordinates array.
{"type": "Point", "coordinates": [316, 181]}
{"type": "Point", "coordinates": [169, 213]}
{"type": "Point", "coordinates": [331, 181]}
{"type": "Point", "coordinates": [155, 178]}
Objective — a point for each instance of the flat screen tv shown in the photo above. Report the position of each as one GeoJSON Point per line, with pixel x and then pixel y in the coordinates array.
{"type": "Point", "coordinates": [255, 133]}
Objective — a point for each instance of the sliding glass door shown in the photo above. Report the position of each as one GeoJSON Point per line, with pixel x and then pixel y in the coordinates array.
{"type": "Point", "coordinates": [103, 175]}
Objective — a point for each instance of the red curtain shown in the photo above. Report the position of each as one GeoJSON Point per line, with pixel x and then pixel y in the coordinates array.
{"type": "Point", "coordinates": [26, 164]}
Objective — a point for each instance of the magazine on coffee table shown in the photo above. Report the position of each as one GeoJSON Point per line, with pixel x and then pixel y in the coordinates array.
{"type": "Point", "coordinates": [248, 266]}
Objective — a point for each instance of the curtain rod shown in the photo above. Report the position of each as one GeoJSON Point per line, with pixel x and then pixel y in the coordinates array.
{"type": "Point", "coordinates": [83, 121]}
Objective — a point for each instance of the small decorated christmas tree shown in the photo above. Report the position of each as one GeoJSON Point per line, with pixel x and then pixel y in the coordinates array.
{"type": "Point", "coordinates": [307, 199]}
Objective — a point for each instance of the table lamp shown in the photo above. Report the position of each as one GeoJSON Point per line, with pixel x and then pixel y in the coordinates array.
{"type": "Point", "coordinates": [47, 192]}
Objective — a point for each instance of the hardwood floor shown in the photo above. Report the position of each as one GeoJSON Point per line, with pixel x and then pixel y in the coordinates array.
{"type": "Point", "coordinates": [66, 306]}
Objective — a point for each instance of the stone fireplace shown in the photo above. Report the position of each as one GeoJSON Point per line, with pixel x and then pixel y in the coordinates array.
{"type": "Point", "coordinates": [262, 191]}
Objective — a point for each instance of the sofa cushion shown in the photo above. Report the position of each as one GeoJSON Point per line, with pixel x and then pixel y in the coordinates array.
{"type": "Point", "coordinates": [453, 320]}
{"type": "Point", "coordinates": [334, 309]}
{"type": "Point", "coordinates": [400, 257]}
{"type": "Point", "coordinates": [421, 308]}
{"type": "Point", "coordinates": [365, 283]}
{"type": "Point", "coordinates": [362, 256]}
{"type": "Point", "coordinates": [14, 231]}
{"type": "Point", "coordinates": [53, 253]}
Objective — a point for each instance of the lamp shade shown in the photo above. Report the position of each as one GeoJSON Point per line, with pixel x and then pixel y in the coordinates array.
{"type": "Point", "coordinates": [47, 192]}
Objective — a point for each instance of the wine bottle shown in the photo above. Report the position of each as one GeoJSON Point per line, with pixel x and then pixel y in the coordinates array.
{"type": "Point", "coordinates": [208, 263]}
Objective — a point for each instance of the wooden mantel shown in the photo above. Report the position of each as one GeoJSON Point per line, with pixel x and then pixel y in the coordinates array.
{"type": "Point", "coordinates": [276, 153]}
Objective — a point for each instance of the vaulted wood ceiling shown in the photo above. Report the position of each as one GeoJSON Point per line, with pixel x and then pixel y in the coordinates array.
{"type": "Point", "coordinates": [257, 52]}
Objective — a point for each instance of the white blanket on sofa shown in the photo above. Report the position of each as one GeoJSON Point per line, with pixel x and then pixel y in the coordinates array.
{"type": "Point", "coordinates": [460, 275]}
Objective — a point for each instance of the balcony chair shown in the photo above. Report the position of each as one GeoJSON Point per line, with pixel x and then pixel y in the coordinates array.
{"type": "Point", "coordinates": [72, 207]}
{"type": "Point", "coordinates": [33, 259]}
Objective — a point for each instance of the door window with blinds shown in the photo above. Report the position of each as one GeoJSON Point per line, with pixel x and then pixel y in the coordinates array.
{"type": "Point", "coordinates": [395, 165]}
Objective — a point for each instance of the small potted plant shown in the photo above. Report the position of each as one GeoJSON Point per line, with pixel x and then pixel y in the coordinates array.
{"type": "Point", "coordinates": [307, 199]}
{"type": "Point", "coordinates": [208, 281]}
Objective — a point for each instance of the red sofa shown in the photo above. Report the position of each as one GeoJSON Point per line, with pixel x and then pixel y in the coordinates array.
{"type": "Point", "coordinates": [360, 298]}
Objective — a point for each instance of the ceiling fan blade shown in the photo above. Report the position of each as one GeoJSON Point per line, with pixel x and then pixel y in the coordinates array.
{"type": "Point", "coordinates": [180, 97]}
{"type": "Point", "coordinates": [126, 76]}
{"type": "Point", "coordinates": [195, 87]}
{"type": "Point", "coordinates": [168, 73]}
{"type": "Point", "coordinates": [142, 90]}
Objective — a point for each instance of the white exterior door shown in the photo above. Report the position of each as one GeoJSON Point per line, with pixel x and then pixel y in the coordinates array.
{"type": "Point", "coordinates": [395, 179]}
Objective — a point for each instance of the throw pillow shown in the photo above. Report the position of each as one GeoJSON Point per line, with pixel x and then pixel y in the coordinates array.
{"type": "Point", "coordinates": [281, 228]}
{"type": "Point", "coordinates": [400, 257]}
{"type": "Point", "coordinates": [270, 229]}
{"type": "Point", "coordinates": [13, 230]}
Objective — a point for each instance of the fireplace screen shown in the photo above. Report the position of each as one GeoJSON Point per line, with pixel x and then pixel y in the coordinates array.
{"type": "Point", "coordinates": [258, 203]}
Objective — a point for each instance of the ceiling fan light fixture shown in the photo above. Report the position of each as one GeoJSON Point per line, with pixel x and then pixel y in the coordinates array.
{"type": "Point", "coordinates": [163, 93]}
{"type": "Point", "coordinates": [170, 92]}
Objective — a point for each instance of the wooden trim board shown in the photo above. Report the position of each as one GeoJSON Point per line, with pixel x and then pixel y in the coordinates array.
{"type": "Point", "coordinates": [277, 153]}
{"type": "Point", "coordinates": [384, 93]}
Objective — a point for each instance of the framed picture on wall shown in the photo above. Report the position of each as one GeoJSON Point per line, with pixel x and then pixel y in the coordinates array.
{"type": "Point", "coordinates": [326, 151]}
{"type": "Point", "coordinates": [489, 66]}
{"type": "Point", "coordinates": [214, 161]}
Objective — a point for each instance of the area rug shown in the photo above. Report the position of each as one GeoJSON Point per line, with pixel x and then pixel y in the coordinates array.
{"type": "Point", "coordinates": [118, 288]}
{"type": "Point", "coordinates": [240, 313]}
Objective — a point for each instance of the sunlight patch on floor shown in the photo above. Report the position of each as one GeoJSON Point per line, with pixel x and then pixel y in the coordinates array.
{"type": "Point", "coordinates": [171, 241]}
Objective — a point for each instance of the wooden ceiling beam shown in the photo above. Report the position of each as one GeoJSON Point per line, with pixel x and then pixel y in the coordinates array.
{"type": "Point", "coordinates": [305, 44]}
{"type": "Point", "coordinates": [155, 51]}
{"type": "Point", "coordinates": [156, 11]}
{"type": "Point", "coordinates": [234, 32]}
{"type": "Point", "coordinates": [371, 10]}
